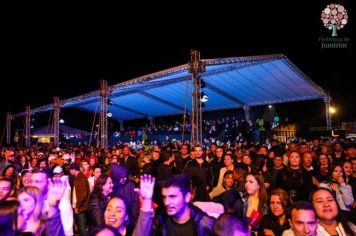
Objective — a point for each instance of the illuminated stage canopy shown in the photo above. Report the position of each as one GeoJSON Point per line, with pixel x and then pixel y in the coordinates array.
{"type": "Point", "coordinates": [230, 83]}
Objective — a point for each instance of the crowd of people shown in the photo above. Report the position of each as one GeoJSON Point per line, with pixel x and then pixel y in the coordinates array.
{"type": "Point", "coordinates": [299, 188]}
{"type": "Point", "coordinates": [226, 129]}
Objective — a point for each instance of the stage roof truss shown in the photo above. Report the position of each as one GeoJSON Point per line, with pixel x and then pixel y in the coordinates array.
{"type": "Point", "coordinates": [230, 83]}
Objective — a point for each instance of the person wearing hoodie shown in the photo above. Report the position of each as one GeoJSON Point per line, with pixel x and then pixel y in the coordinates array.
{"type": "Point", "coordinates": [124, 187]}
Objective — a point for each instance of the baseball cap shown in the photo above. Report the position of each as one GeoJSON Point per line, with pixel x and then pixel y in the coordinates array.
{"type": "Point", "coordinates": [57, 170]}
{"type": "Point", "coordinates": [24, 172]}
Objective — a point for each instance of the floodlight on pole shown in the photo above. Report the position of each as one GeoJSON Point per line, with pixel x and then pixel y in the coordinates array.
{"type": "Point", "coordinates": [332, 110]}
{"type": "Point", "coordinates": [269, 106]}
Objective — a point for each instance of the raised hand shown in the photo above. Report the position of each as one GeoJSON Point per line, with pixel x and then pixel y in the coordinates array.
{"type": "Point", "coordinates": [56, 189]}
{"type": "Point", "coordinates": [147, 183]}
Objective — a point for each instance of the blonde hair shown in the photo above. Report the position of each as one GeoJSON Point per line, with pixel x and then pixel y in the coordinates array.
{"type": "Point", "coordinates": [36, 194]}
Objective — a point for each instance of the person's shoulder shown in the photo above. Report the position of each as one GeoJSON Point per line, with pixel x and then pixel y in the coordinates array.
{"type": "Point", "coordinates": [288, 232]}
{"type": "Point", "coordinates": [212, 209]}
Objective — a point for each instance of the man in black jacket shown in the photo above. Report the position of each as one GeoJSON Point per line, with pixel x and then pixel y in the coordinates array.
{"type": "Point", "coordinates": [200, 170]}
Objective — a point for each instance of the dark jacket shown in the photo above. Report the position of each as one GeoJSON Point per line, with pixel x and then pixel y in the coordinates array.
{"type": "Point", "coordinates": [203, 223]}
{"type": "Point", "coordinates": [131, 164]}
{"type": "Point", "coordinates": [81, 185]}
{"type": "Point", "coordinates": [271, 222]}
{"type": "Point", "coordinates": [96, 210]}
{"type": "Point", "coordinates": [126, 190]}
{"type": "Point", "coordinates": [203, 177]}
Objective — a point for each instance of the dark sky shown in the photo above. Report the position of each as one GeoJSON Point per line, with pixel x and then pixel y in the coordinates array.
{"type": "Point", "coordinates": [65, 49]}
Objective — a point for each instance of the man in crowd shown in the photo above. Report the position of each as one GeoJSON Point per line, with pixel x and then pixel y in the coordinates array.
{"type": "Point", "coordinates": [129, 162]}
{"type": "Point", "coordinates": [80, 197]}
{"type": "Point", "coordinates": [180, 217]}
{"type": "Point", "coordinates": [303, 220]}
{"type": "Point", "coordinates": [202, 171]}
{"type": "Point", "coordinates": [40, 180]}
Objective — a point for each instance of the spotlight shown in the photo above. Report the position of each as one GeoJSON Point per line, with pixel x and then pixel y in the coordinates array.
{"type": "Point", "coordinates": [31, 126]}
{"type": "Point", "coordinates": [61, 121]}
{"type": "Point", "coordinates": [109, 114]}
{"type": "Point", "coordinates": [269, 106]}
{"type": "Point", "coordinates": [332, 110]}
{"type": "Point", "coordinates": [203, 97]}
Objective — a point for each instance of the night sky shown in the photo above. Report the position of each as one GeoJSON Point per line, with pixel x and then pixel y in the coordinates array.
{"type": "Point", "coordinates": [64, 50]}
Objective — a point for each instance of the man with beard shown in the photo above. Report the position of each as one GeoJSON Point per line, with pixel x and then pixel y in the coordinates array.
{"type": "Point", "coordinates": [200, 169]}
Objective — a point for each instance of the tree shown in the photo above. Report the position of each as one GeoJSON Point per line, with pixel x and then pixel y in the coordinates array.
{"type": "Point", "coordinates": [334, 17]}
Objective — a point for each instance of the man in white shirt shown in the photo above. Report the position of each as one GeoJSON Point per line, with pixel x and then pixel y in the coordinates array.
{"type": "Point", "coordinates": [303, 220]}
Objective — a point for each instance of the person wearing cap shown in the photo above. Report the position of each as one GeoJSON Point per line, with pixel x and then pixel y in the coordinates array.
{"type": "Point", "coordinates": [124, 187]}
{"type": "Point", "coordinates": [26, 177]}
{"type": "Point", "coordinates": [80, 196]}
{"type": "Point", "coordinates": [59, 174]}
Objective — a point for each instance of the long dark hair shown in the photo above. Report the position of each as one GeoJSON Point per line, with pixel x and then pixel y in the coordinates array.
{"type": "Point", "coordinates": [262, 193]}
{"type": "Point", "coordinates": [340, 218]}
{"type": "Point", "coordinates": [8, 217]}
{"type": "Point", "coordinates": [98, 187]}
{"type": "Point", "coordinates": [130, 223]}
{"type": "Point", "coordinates": [331, 170]}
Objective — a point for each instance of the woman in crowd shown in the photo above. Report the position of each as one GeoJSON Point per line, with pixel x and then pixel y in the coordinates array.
{"type": "Point", "coordinates": [106, 164]}
{"type": "Point", "coordinates": [30, 210]}
{"type": "Point", "coordinates": [255, 200]}
{"type": "Point", "coordinates": [31, 217]}
{"type": "Point", "coordinates": [330, 219]}
{"type": "Point", "coordinates": [87, 170]}
{"type": "Point", "coordinates": [323, 168]}
{"type": "Point", "coordinates": [98, 199]}
{"type": "Point", "coordinates": [336, 183]}
{"type": "Point", "coordinates": [296, 181]}
{"type": "Point", "coordinates": [276, 221]}
{"type": "Point", "coordinates": [347, 166]}
{"type": "Point", "coordinates": [118, 215]}
{"type": "Point", "coordinates": [9, 172]}
{"type": "Point", "coordinates": [227, 183]}
{"type": "Point", "coordinates": [229, 165]}
{"type": "Point", "coordinates": [24, 163]}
